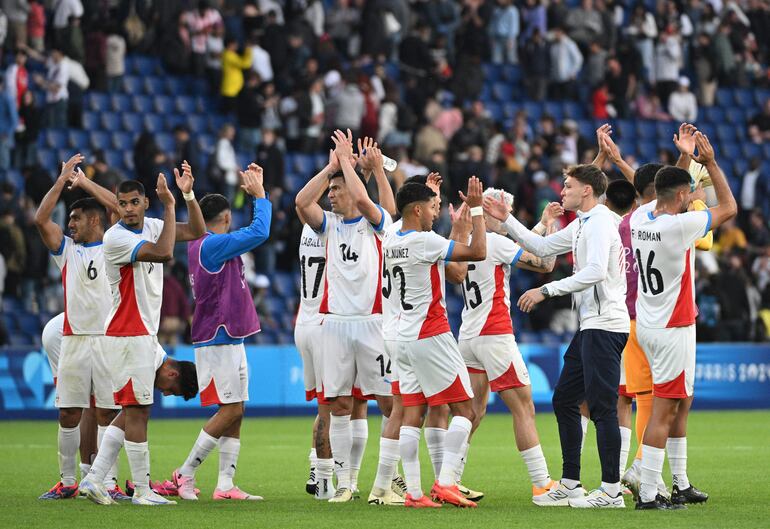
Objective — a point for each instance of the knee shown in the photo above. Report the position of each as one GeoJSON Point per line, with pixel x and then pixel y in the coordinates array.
{"type": "Point", "coordinates": [232, 412]}
{"type": "Point", "coordinates": [104, 416]}
{"type": "Point", "coordinates": [70, 417]}
{"type": "Point", "coordinates": [342, 406]}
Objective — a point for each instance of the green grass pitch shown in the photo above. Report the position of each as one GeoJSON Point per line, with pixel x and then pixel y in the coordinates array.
{"type": "Point", "coordinates": [728, 454]}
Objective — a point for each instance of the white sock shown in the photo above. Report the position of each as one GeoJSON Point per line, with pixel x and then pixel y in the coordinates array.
{"type": "Point", "coordinates": [359, 431]}
{"type": "Point", "coordinates": [625, 446]}
{"type": "Point", "coordinates": [109, 447]}
{"type": "Point", "coordinates": [229, 448]}
{"type": "Point", "coordinates": [69, 442]}
{"type": "Point", "coordinates": [409, 446]}
{"type": "Point", "coordinates": [536, 466]}
{"type": "Point", "coordinates": [324, 469]}
{"type": "Point", "coordinates": [384, 424]}
{"type": "Point", "coordinates": [571, 484]}
{"type": "Point", "coordinates": [612, 489]}
{"type": "Point", "coordinates": [203, 446]}
{"type": "Point", "coordinates": [456, 437]}
{"type": "Point", "coordinates": [84, 470]}
{"type": "Point", "coordinates": [461, 465]}
{"type": "Point", "coordinates": [340, 439]}
{"type": "Point", "coordinates": [313, 458]}
{"type": "Point", "coordinates": [139, 462]}
{"type": "Point", "coordinates": [111, 479]}
{"type": "Point", "coordinates": [389, 455]}
{"type": "Point", "coordinates": [434, 437]}
{"type": "Point", "coordinates": [584, 425]}
{"type": "Point", "coordinates": [652, 467]}
{"type": "Point", "coordinates": [676, 447]}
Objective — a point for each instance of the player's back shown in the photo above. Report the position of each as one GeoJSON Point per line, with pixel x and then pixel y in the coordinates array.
{"type": "Point", "coordinates": [391, 303]}
{"type": "Point", "coordinates": [487, 291]}
{"type": "Point", "coordinates": [664, 253]}
{"type": "Point", "coordinates": [414, 275]}
{"type": "Point", "coordinates": [312, 260]}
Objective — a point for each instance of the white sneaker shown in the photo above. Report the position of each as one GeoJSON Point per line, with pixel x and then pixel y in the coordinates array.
{"type": "Point", "coordinates": [96, 492]}
{"type": "Point", "coordinates": [632, 478]}
{"type": "Point", "coordinates": [557, 495]}
{"type": "Point", "coordinates": [185, 486]}
{"type": "Point", "coordinates": [152, 499]}
{"type": "Point", "coordinates": [324, 489]}
{"type": "Point", "coordinates": [598, 499]}
{"type": "Point", "coordinates": [398, 486]}
{"type": "Point", "coordinates": [386, 497]}
{"type": "Point", "coordinates": [342, 495]}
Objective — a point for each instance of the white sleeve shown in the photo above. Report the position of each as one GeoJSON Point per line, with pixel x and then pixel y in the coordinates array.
{"type": "Point", "coordinates": [435, 248]}
{"type": "Point", "coordinates": [502, 250]}
{"type": "Point", "coordinates": [60, 256]}
{"type": "Point", "coordinates": [329, 223]}
{"type": "Point", "coordinates": [385, 221]}
{"type": "Point", "coordinates": [694, 225]}
{"type": "Point", "coordinates": [156, 227]}
{"type": "Point", "coordinates": [598, 243]}
{"type": "Point", "coordinates": [555, 244]}
{"type": "Point", "coordinates": [121, 247]}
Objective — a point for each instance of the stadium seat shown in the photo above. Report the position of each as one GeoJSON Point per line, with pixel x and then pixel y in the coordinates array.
{"type": "Point", "coordinates": [128, 160]}
{"type": "Point", "coordinates": [740, 165]}
{"type": "Point", "coordinates": [176, 86]}
{"type": "Point", "coordinates": [153, 123]}
{"type": "Point", "coordinates": [533, 109]}
{"type": "Point", "coordinates": [744, 97]}
{"type": "Point", "coordinates": [133, 85]}
{"type": "Point", "coordinates": [48, 158]}
{"type": "Point", "coordinates": [142, 104]}
{"type": "Point", "coordinates": [111, 121]}
{"type": "Point", "coordinates": [122, 141]}
{"type": "Point", "coordinates": [162, 104]}
{"type": "Point", "coordinates": [133, 123]}
{"type": "Point", "coordinates": [492, 72]}
{"type": "Point", "coordinates": [761, 95]}
{"type": "Point", "coordinates": [730, 151]}
{"type": "Point", "coordinates": [647, 150]}
{"type": "Point", "coordinates": [646, 129]}
{"type": "Point", "coordinates": [165, 142]}
{"type": "Point", "coordinates": [510, 109]}
{"type": "Point", "coordinates": [495, 110]}
{"type": "Point", "coordinates": [724, 98]}
{"type": "Point", "coordinates": [197, 124]}
{"type": "Point", "coordinates": [155, 86]}
{"type": "Point", "coordinates": [512, 74]}
{"type": "Point", "coordinates": [502, 92]}
{"type": "Point", "coordinates": [97, 101]}
{"type": "Point", "coordinates": [587, 128]}
{"type": "Point", "coordinates": [751, 150]}
{"type": "Point", "coordinates": [734, 115]}
{"type": "Point", "coordinates": [99, 139]}
{"type": "Point", "coordinates": [186, 104]}
{"type": "Point", "coordinates": [284, 284]}
{"type": "Point", "coordinates": [554, 108]}
{"type": "Point", "coordinates": [624, 128]}
{"type": "Point", "coordinates": [77, 139]}
{"type": "Point", "coordinates": [55, 138]}
{"type": "Point", "coordinates": [91, 120]}
{"type": "Point", "coordinates": [114, 158]}
{"type": "Point", "coordinates": [120, 103]}
{"type": "Point", "coordinates": [573, 110]}
{"type": "Point", "coordinates": [27, 323]}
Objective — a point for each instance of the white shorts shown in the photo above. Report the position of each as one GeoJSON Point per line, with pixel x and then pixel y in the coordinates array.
{"type": "Point", "coordinates": [223, 375]}
{"type": "Point", "coordinates": [81, 372]}
{"type": "Point", "coordinates": [499, 357]}
{"type": "Point", "coordinates": [354, 360]}
{"type": "Point", "coordinates": [391, 348]}
{"type": "Point", "coordinates": [131, 360]}
{"type": "Point", "coordinates": [432, 371]}
{"type": "Point", "coordinates": [671, 354]}
{"type": "Point", "coordinates": [308, 338]}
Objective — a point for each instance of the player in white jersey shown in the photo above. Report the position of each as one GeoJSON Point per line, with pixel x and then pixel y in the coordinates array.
{"type": "Point", "coordinates": [355, 362]}
{"type": "Point", "coordinates": [81, 369]}
{"type": "Point", "coordinates": [308, 337]}
{"type": "Point", "coordinates": [430, 367]}
{"type": "Point", "coordinates": [134, 250]}
{"type": "Point", "coordinates": [663, 235]}
{"type": "Point", "coordinates": [487, 342]}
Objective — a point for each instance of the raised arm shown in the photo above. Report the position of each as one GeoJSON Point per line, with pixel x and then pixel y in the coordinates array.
{"type": "Point", "coordinates": [162, 250]}
{"type": "Point", "coordinates": [344, 152]}
{"type": "Point", "coordinates": [370, 159]}
{"type": "Point", "coordinates": [613, 154]}
{"type": "Point", "coordinates": [726, 207]}
{"type": "Point", "coordinates": [601, 155]}
{"type": "Point", "coordinates": [104, 196]}
{"type": "Point", "coordinates": [557, 243]}
{"type": "Point", "coordinates": [461, 232]}
{"type": "Point", "coordinates": [477, 249]}
{"type": "Point", "coordinates": [195, 227]}
{"type": "Point", "coordinates": [685, 144]}
{"type": "Point", "coordinates": [51, 232]}
{"type": "Point", "coordinates": [221, 247]}
{"type": "Point", "coordinates": [547, 224]}
{"type": "Point", "coordinates": [306, 202]}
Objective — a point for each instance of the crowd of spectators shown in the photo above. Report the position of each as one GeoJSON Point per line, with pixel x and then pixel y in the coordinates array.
{"type": "Point", "coordinates": [408, 73]}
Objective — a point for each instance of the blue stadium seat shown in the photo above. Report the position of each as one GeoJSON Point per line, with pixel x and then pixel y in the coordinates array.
{"type": "Point", "coordinates": [198, 124]}
{"type": "Point", "coordinates": [99, 139]}
{"type": "Point", "coordinates": [744, 97]}
{"type": "Point", "coordinates": [216, 121]}
{"type": "Point", "coordinates": [664, 130]}
{"type": "Point", "coordinates": [186, 104]}
{"type": "Point", "coordinates": [533, 109]}
{"type": "Point", "coordinates": [727, 132]}
{"type": "Point", "coordinates": [176, 86]}
{"type": "Point", "coordinates": [162, 104]}
{"type": "Point", "coordinates": [155, 86]}
{"type": "Point", "coordinates": [647, 150]}
{"type": "Point", "coordinates": [293, 182]}
{"type": "Point", "coordinates": [512, 74]}
{"type": "Point", "coordinates": [555, 109]}
{"type": "Point", "coordinates": [133, 85]}
{"type": "Point", "coordinates": [724, 98]}
{"type": "Point", "coordinates": [735, 115]}
{"type": "Point", "coordinates": [713, 114]}
{"type": "Point", "coordinates": [510, 109]}
{"type": "Point", "coordinates": [55, 138]}
{"type": "Point", "coordinates": [730, 151]}
{"type": "Point", "coordinates": [573, 110]}
{"type": "Point", "coordinates": [48, 158]}
{"type": "Point", "coordinates": [528, 337]}
{"type": "Point", "coordinates": [502, 92]}
{"type": "Point", "coordinates": [9, 322]}
{"type": "Point", "coordinates": [77, 139]}
{"type": "Point", "coordinates": [144, 65]}
{"type": "Point", "coordinates": [492, 72]}
{"type": "Point", "coordinates": [120, 103]}
{"type": "Point", "coordinates": [284, 284]}
{"type": "Point", "coordinates": [114, 158]}
{"type": "Point", "coordinates": [111, 121]}
{"type": "Point", "coordinates": [122, 141]}
{"type": "Point", "coordinates": [128, 160]}
{"type": "Point", "coordinates": [142, 104]}
{"type": "Point", "coordinates": [760, 96]}
{"type": "Point", "coordinates": [587, 128]}
{"type": "Point", "coordinates": [320, 160]}
{"type": "Point", "coordinates": [197, 86]}
{"type": "Point", "coordinates": [206, 142]}
{"type": "Point", "coordinates": [624, 128]}
{"type": "Point", "coordinates": [91, 120]}
{"type": "Point", "coordinates": [303, 164]}
{"type": "Point", "coordinates": [165, 142]}
{"type": "Point", "coordinates": [28, 323]}
{"type": "Point", "coordinates": [133, 123]}
{"type": "Point", "coordinates": [495, 110]}
{"type": "Point", "coordinates": [646, 129]}
{"type": "Point", "coordinates": [766, 151]}
{"type": "Point", "coordinates": [153, 123]}
{"type": "Point", "coordinates": [97, 101]}
{"type": "Point", "coordinates": [740, 165]}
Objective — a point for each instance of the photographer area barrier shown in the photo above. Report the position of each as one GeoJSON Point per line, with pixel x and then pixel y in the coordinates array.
{"type": "Point", "coordinates": [728, 376]}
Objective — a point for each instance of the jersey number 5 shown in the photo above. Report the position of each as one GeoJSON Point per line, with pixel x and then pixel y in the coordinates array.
{"type": "Point", "coordinates": [471, 286]}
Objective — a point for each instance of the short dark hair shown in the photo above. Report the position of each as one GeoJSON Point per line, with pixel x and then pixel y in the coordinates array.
{"type": "Point", "coordinates": [340, 174]}
{"type": "Point", "coordinates": [417, 179]}
{"type": "Point", "coordinates": [589, 175]}
{"type": "Point", "coordinates": [644, 177]}
{"type": "Point", "coordinates": [212, 205]}
{"type": "Point", "coordinates": [128, 186]}
{"type": "Point", "coordinates": [90, 205]}
{"type": "Point", "coordinates": [411, 193]}
{"type": "Point", "coordinates": [669, 178]}
{"type": "Point", "coordinates": [188, 379]}
{"type": "Point", "coordinates": [621, 195]}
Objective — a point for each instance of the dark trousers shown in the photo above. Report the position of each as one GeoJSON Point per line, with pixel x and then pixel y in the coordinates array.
{"type": "Point", "coordinates": [591, 372]}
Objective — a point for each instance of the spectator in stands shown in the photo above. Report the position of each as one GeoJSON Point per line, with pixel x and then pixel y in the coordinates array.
{"type": "Point", "coordinates": [270, 158]}
{"type": "Point", "coordinates": [754, 190]}
{"type": "Point", "coordinates": [596, 65]}
{"type": "Point", "coordinates": [36, 25]}
{"type": "Point", "coordinates": [250, 114]}
{"type": "Point", "coordinates": [27, 131]}
{"type": "Point", "coordinates": [759, 124]}
{"type": "Point", "coordinates": [13, 249]}
{"type": "Point", "coordinates": [620, 86]}
{"type": "Point", "coordinates": [62, 11]}
{"type": "Point", "coordinates": [504, 32]}
{"type": "Point", "coordinates": [533, 17]}
{"type": "Point", "coordinates": [535, 65]}
{"type": "Point", "coordinates": [149, 160]}
{"type": "Point", "coordinates": [3, 28]}
{"type": "Point", "coordinates": [115, 60]}
{"type": "Point", "coordinates": [649, 106]}
{"type": "Point", "coordinates": [226, 163]}
{"type": "Point", "coordinates": [17, 12]}
{"type": "Point", "coordinates": [260, 60]}
{"type": "Point", "coordinates": [705, 69]}
{"type": "Point", "coordinates": [342, 22]}
{"type": "Point", "coordinates": [73, 42]}
{"type": "Point", "coordinates": [682, 105]}
{"type": "Point", "coordinates": [176, 47]}
{"type": "Point", "coordinates": [566, 62]}
{"type": "Point", "coordinates": [174, 310]}
{"type": "Point", "coordinates": [584, 24]}
{"type": "Point", "coordinates": [184, 148]}
{"type": "Point", "coordinates": [730, 237]}
{"type": "Point", "coordinates": [312, 112]}
{"type": "Point", "coordinates": [349, 106]}
{"type": "Point", "coordinates": [732, 284]}
{"type": "Point", "coordinates": [55, 84]}
{"type": "Point", "coordinates": [233, 65]}
{"type": "Point", "coordinates": [101, 173]}
{"type": "Point", "coordinates": [757, 233]}
{"type": "Point", "coordinates": [17, 77]}
{"type": "Point", "coordinates": [9, 119]}
{"type": "Point", "coordinates": [724, 55]}
{"type": "Point", "coordinates": [215, 46]}
{"type": "Point", "coordinates": [200, 23]}
{"type": "Point", "coordinates": [78, 84]}
{"type": "Point", "coordinates": [668, 61]}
